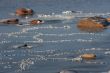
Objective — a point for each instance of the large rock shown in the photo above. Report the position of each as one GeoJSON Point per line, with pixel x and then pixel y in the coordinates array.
{"type": "Point", "coordinates": [93, 23]}
{"type": "Point", "coordinates": [24, 11]}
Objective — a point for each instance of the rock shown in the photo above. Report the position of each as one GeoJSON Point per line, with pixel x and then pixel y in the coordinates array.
{"type": "Point", "coordinates": [10, 21]}
{"type": "Point", "coordinates": [68, 71]}
{"type": "Point", "coordinates": [34, 22]}
{"type": "Point", "coordinates": [24, 11]}
{"type": "Point", "coordinates": [92, 24]}
{"type": "Point", "coordinates": [88, 56]}
{"type": "Point", "coordinates": [108, 19]}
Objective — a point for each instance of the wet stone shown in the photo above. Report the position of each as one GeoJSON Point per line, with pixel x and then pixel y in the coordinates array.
{"type": "Point", "coordinates": [24, 11]}
{"type": "Point", "coordinates": [93, 24]}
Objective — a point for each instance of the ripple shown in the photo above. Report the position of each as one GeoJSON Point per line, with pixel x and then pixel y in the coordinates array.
{"type": "Point", "coordinates": [97, 49]}
{"type": "Point", "coordinates": [46, 27]}
{"type": "Point", "coordinates": [25, 64]}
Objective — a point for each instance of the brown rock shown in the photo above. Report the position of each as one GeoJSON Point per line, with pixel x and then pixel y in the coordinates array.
{"type": "Point", "coordinates": [93, 24]}
{"type": "Point", "coordinates": [10, 21]}
{"type": "Point", "coordinates": [108, 19]}
{"type": "Point", "coordinates": [35, 22]}
{"type": "Point", "coordinates": [88, 56]}
{"type": "Point", "coordinates": [24, 11]}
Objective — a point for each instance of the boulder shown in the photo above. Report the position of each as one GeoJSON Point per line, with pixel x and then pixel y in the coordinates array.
{"type": "Point", "coordinates": [93, 24]}
{"type": "Point", "coordinates": [24, 11]}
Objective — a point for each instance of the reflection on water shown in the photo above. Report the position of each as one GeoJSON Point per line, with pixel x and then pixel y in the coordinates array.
{"type": "Point", "coordinates": [91, 29]}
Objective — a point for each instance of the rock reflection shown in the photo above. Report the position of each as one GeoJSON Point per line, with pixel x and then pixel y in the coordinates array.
{"type": "Point", "coordinates": [86, 29]}
{"type": "Point", "coordinates": [68, 71]}
{"type": "Point", "coordinates": [94, 62]}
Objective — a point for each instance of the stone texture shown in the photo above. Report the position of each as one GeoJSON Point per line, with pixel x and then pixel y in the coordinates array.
{"type": "Point", "coordinates": [92, 24]}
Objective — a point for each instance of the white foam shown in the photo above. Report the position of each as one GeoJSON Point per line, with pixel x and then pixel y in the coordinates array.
{"type": "Point", "coordinates": [45, 27]}
{"type": "Point", "coordinates": [25, 64]}
{"type": "Point", "coordinates": [67, 15]}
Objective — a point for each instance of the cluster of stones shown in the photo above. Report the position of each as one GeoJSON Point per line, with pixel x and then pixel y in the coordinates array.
{"type": "Point", "coordinates": [21, 12]}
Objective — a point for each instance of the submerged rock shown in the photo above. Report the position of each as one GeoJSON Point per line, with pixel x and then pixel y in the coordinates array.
{"type": "Point", "coordinates": [10, 21]}
{"type": "Point", "coordinates": [24, 11]}
{"type": "Point", "coordinates": [93, 24]}
{"type": "Point", "coordinates": [88, 56]}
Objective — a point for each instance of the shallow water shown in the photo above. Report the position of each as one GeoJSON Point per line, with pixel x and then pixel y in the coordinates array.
{"type": "Point", "coordinates": [57, 42]}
